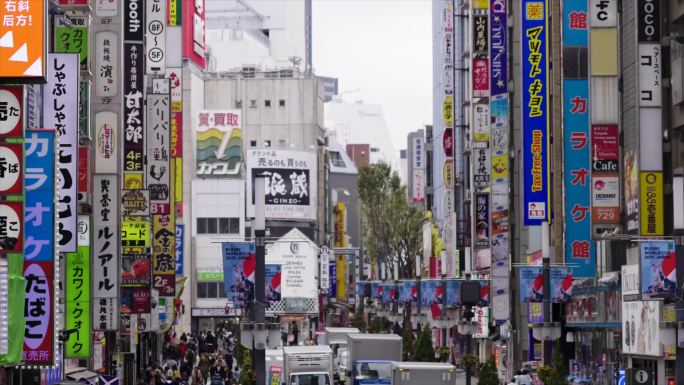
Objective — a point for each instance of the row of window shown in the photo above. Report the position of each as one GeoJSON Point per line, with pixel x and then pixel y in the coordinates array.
{"type": "Point", "coordinates": [218, 225]}
{"type": "Point", "coordinates": [210, 290]}
{"type": "Point", "coordinates": [253, 103]}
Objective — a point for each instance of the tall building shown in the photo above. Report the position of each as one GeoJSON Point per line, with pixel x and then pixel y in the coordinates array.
{"type": "Point", "coordinates": [359, 153]}
{"type": "Point", "coordinates": [330, 87]}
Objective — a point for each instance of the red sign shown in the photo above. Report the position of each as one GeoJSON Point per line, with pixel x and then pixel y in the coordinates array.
{"type": "Point", "coordinates": [480, 77]}
{"type": "Point", "coordinates": [604, 148]}
{"type": "Point", "coordinates": [68, 3]}
{"type": "Point", "coordinates": [11, 111]}
{"type": "Point", "coordinates": [11, 161]}
{"type": "Point", "coordinates": [193, 32]}
{"type": "Point", "coordinates": [165, 283]}
{"type": "Point", "coordinates": [11, 227]}
{"type": "Point", "coordinates": [160, 208]}
{"type": "Point", "coordinates": [38, 312]}
{"type": "Point", "coordinates": [83, 169]}
{"type": "Point", "coordinates": [448, 142]}
{"type": "Point", "coordinates": [176, 134]}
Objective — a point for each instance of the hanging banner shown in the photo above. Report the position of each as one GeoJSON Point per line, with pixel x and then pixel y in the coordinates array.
{"type": "Point", "coordinates": [60, 111]}
{"type": "Point", "coordinates": [535, 118]}
{"type": "Point", "coordinates": [155, 37]}
{"type": "Point", "coordinates": [12, 112]}
{"type": "Point", "coordinates": [39, 313]}
{"type": "Point", "coordinates": [163, 254]}
{"type": "Point", "coordinates": [180, 251]}
{"type": "Point", "coordinates": [651, 204]}
{"type": "Point", "coordinates": [106, 252]}
{"type": "Point", "coordinates": [11, 166]}
{"type": "Point", "coordinates": [498, 27]}
{"type": "Point", "coordinates": [239, 263]}
{"type": "Point", "coordinates": [158, 160]}
{"type": "Point", "coordinates": [658, 268]}
{"type": "Point", "coordinates": [532, 284]}
{"type": "Point", "coordinates": [77, 313]}
{"type": "Point", "coordinates": [453, 292]}
{"type": "Point", "coordinates": [133, 111]}
{"type": "Point", "coordinates": [194, 32]}
{"type": "Point", "coordinates": [408, 291]}
{"type": "Point", "coordinates": [23, 41]}
{"type": "Point", "coordinates": [39, 213]}
{"type": "Point", "coordinates": [431, 296]}
{"type": "Point", "coordinates": [273, 278]}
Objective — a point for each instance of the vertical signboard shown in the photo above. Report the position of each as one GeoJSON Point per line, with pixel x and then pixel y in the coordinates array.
{"type": "Point", "coordinates": [658, 268]}
{"type": "Point", "coordinates": [77, 294]}
{"type": "Point", "coordinates": [60, 111]}
{"type": "Point", "coordinates": [133, 109]}
{"type": "Point", "coordinates": [155, 37]}
{"type": "Point", "coordinates": [74, 39]}
{"type": "Point", "coordinates": [180, 255]}
{"type": "Point", "coordinates": [535, 117]}
{"type": "Point", "coordinates": [106, 64]}
{"type": "Point", "coordinates": [651, 211]}
{"type": "Point", "coordinates": [605, 177]}
{"type": "Point", "coordinates": [106, 137]}
{"type": "Point", "coordinates": [418, 181]}
{"type": "Point", "coordinates": [175, 76]}
{"type": "Point", "coordinates": [39, 313]}
{"type": "Point", "coordinates": [12, 112]}
{"type": "Point", "coordinates": [218, 147]}
{"type": "Point", "coordinates": [158, 176]}
{"type": "Point", "coordinates": [193, 32]}
{"type": "Point", "coordinates": [134, 25]}
{"type": "Point", "coordinates": [105, 282]}
{"type": "Point", "coordinates": [23, 41]}
{"type": "Point", "coordinates": [163, 250]}
{"type": "Point", "coordinates": [239, 263]}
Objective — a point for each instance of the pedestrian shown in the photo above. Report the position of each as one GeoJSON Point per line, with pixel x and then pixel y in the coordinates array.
{"type": "Point", "coordinates": [524, 378]}
{"type": "Point", "coordinates": [196, 378]}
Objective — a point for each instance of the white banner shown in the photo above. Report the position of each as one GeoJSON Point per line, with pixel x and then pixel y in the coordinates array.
{"type": "Point", "coordinates": [641, 328]}
{"type": "Point", "coordinates": [158, 151]}
{"type": "Point", "coordinates": [650, 75]}
{"type": "Point", "coordinates": [106, 140]}
{"type": "Point", "coordinates": [297, 256]}
{"type": "Point", "coordinates": [325, 268]}
{"type": "Point", "coordinates": [105, 252]}
{"type": "Point", "coordinates": [155, 37]}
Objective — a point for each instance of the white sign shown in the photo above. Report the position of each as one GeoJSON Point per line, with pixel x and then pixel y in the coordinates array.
{"type": "Point", "coordinates": [155, 37]}
{"type": "Point", "coordinates": [106, 64]}
{"type": "Point", "coordinates": [605, 191]}
{"type": "Point", "coordinates": [11, 111]}
{"type": "Point", "coordinates": [106, 154]}
{"type": "Point", "coordinates": [325, 268]}
{"type": "Point", "coordinates": [105, 252]}
{"type": "Point", "coordinates": [418, 186]}
{"type": "Point", "coordinates": [291, 183]}
{"type": "Point", "coordinates": [218, 143]}
{"type": "Point", "coordinates": [481, 123]}
{"type": "Point", "coordinates": [4, 294]}
{"type": "Point", "coordinates": [481, 322]}
{"type": "Point", "coordinates": [418, 153]}
{"type": "Point", "coordinates": [297, 255]}
{"type": "Point", "coordinates": [603, 13]}
{"type": "Point", "coordinates": [106, 8]}
{"type": "Point", "coordinates": [641, 328]}
{"type": "Point", "coordinates": [630, 281]}
{"type": "Point", "coordinates": [83, 230]}
{"type": "Point", "coordinates": [158, 176]}
{"type": "Point", "coordinates": [650, 75]}
{"type": "Point", "coordinates": [175, 76]}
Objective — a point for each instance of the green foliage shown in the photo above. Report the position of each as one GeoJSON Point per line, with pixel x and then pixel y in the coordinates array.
{"type": "Point", "coordinates": [469, 360]}
{"type": "Point", "coordinates": [444, 353]}
{"type": "Point", "coordinates": [393, 228]}
{"type": "Point", "coordinates": [488, 373]}
{"type": "Point", "coordinates": [247, 375]}
{"type": "Point", "coordinates": [559, 361]}
{"type": "Point", "coordinates": [557, 373]}
{"type": "Point", "coordinates": [424, 350]}
{"type": "Point", "coordinates": [376, 325]}
{"type": "Point", "coordinates": [359, 321]}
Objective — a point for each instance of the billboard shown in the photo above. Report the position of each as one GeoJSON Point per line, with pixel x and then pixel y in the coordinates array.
{"type": "Point", "coordinates": [133, 108]}
{"type": "Point", "coordinates": [155, 38]}
{"type": "Point", "coordinates": [23, 39]}
{"type": "Point", "coordinates": [193, 32]}
{"type": "Point", "coordinates": [136, 270]}
{"type": "Point", "coordinates": [651, 203]}
{"type": "Point", "coordinates": [658, 267]}
{"type": "Point", "coordinates": [77, 294]}
{"type": "Point", "coordinates": [39, 212]}
{"type": "Point", "coordinates": [535, 117]}
{"type": "Point", "coordinates": [105, 283]}
{"type": "Point", "coordinates": [60, 111]}
{"type": "Point", "coordinates": [531, 281]}
{"type": "Point", "coordinates": [641, 328]}
{"type": "Point", "coordinates": [218, 143]}
{"type": "Point", "coordinates": [12, 113]}
{"type": "Point", "coordinates": [158, 176]}
{"type": "Point", "coordinates": [291, 183]}
{"type": "Point", "coordinates": [239, 264]}
{"type": "Point", "coordinates": [298, 257]}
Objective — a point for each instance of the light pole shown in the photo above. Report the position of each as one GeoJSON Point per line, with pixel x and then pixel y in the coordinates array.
{"type": "Point", "coordinates": [546, 266]}
{"type": "Point", "coordinates": [259, 315]}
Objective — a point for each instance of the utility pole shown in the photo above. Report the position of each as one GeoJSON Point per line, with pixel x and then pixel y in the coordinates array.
{"type": "Point", "coordinates": [546, 266]}
{"type": "Point", "coordinates": [259, 314]}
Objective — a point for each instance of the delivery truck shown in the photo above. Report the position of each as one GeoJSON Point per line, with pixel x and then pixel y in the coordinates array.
{"type": "Point", "coordinates": [337, 339]}
{"type": "Point", "coordinates": [307, 365]}
{"type": "Point", "coordinates": [370, 358]}
{"type": "Point", "coordinates": [421, 373]}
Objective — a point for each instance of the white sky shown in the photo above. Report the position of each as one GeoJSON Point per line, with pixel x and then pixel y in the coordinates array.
{"type": "Point", "coordinates": [383, 48]}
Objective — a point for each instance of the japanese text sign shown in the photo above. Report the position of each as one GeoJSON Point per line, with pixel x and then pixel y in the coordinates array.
{"type": "Point", "coordinates": [39, 313]}
{"type": "Point", "coordinates": [158, 155]}
{"type": "Point", "coordinates": [39, 213]}
{"type": "Point", "coordinates": [23, 40]}
{"type": "Point", "coordinates": [11, 111]}
{"type": "Point", "coordinates": [219, 143]}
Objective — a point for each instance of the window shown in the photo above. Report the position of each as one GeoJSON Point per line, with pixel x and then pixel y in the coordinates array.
{"type": "Point", "coordinates": [202, 289]}
{"type": "Point", "coordinates": [336, 159]}
{"type": "Point", "coordinates": [252, 143]}
{"type": "Point", "coordinates": [282, 143]}
{"type": "Point", "coordinates": [281, 102]}
{"type": "Point", "coordinates": [221, 290]}
{"type": "Point", "coordinates": [218, 225]}
{"type": "Point", "coordinates": [252, 103]}
{"type": "Point", "coordinates": [267, 103]}
{"type": "Point", "coordinates": [238, 104]}
{"type": "Point", "coordinates": [267, 143]}
{"type": "Point", "coordinates": [210, 290]}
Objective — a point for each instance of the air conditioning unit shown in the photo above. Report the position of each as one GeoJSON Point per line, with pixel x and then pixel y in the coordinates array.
{"type": "Point", "coordinates": [286, 73]}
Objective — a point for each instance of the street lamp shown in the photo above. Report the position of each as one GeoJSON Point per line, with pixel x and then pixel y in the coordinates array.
{"type": "Point", "coordinates": [467, 327]}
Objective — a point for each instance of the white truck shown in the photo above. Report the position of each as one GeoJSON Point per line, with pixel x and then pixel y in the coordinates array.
{"type": "Point", "coordinates": [307, 365]}
{"type": "Point", "coordinates": [370, 358]}
{"type": "Point", "coordinates": [420, 373]}
{"type": "Point", "coordinates": [337, 339]}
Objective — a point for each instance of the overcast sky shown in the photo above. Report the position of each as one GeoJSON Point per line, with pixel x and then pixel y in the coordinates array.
{"type": "Point", "coordinates": [383, 48]}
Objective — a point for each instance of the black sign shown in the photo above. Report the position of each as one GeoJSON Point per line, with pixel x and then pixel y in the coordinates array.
{"type": "Point", "coordinates": [285, 186]}
{"type": "Point", "coordinates": [648, 21]}
{"type": "Point", "coordinates": [133, 140]}
{"type": "Point", "coordinates": [134, 25]}
{"type": "Point", "coordinates": [480, 33]}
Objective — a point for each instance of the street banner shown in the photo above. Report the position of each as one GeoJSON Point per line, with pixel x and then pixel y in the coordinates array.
{"type": "Point", "coordinates": [239, 263]}
{"type": "Point", "coordinates": [531, 280]}
{"type": "Point", "coordinates": [658, 268]}
{"type": "Point", "coordinates": [273, 277]}
{"type": "Point", "coordinates": [408, 291]}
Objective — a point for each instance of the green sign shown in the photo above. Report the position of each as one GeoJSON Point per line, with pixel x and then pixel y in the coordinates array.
{"type": "Point", "coordinates": [73, 40]}
{"type": "Point", "coordinates": [77, 314]}
{"type": "Point", "coordinates": [209, 276]}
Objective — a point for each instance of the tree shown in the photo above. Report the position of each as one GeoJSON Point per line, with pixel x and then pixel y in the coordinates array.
{"type": "Point", "coordinates": [555, 374]}
{"type": "Point", "coordinates": [392, 234]}
{"type": "Point", "coordinates": [359, 322]}
{"type": "Point", "coordinates": [424, 350]}
{"type": "Point", "coordinates": [488, 373]}
{"type": "Point", "coordinates": [247, 375]}
{"type": "Point", "coordinates": [377, 325]}
{"type": "Point", "coordinates": [407, 343]}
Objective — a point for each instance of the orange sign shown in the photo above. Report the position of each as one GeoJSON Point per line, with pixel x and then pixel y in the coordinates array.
{"type": "Point", "coordinates": [22, 40]}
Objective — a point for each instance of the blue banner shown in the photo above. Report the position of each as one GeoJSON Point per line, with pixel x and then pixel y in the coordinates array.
{"type": "Point", "coordinates": [239, 264]}
{"type": "Point", "coordinates": [498, 57]}
{"type": "Point", "coordinates": [532, 284]}
{"type": "Point", "coordinates": [180, 241]}
{"type": "Point", "coordinates": [658, 267]}
{"type": "Point", "coordinates": [332, 292]}
{"type": "Point", "coordinates": [575, 22]}
{"type": "Point", "coordinates": [376, 290]}
{"type": "Point", "coordinates": [535, 117]}
{"type": "Point", "coordinates": [561, 284]}
{"type": "Point", "coordinates": [407, 291]}
{"type": "Point", "coordinates": [39, 211]}
{"type": "Point", "coordinates": [388, 290]}
{"type": "Point", "coordinates": [453, 292]}
{"type": "Point", "coordinates": [273, 275]}
{"type": "Point", "coordinates": [430, 292]}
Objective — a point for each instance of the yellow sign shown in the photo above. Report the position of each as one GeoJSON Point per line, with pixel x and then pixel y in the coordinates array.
{"type": "Point", "coordinates": [499, 168]}
{"type": "Point", "coordinates": [448, 173]}
{"type": "Point", "coordinates": [340, 239]}
{"type": "Point", "coordinates": [341, 278]}
{"type": "Point", "coordinates": [178, 178]}
{"type": "Point", "coordinates": [135, 233]}
{"type": "Point", "coordinates": [133, 181]}
{"type": "Point", "coordinates": [651, 212]}
{"type": "Point", "coordinates": [480, 4]}
{"type": "Point", "coordinates": [448, 110]}
{"type": "Point", "coordinates": [164, 246]}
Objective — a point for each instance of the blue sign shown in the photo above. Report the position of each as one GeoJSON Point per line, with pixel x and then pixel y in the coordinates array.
{"type": "Point", "coordinates": [407, 291]}
{"type": "Point", "coordinates": [332, 292]}
{"type": "Point", "coordinates": [39, 211]}
{"type": "Point", "coordinates": [658, 267]}
{"type": "Point", "coordinates": [453, 292]}
{"type": "Point", "coordinates": [375, 286]}
{"type": "Point", "coordinates": [622, 375]}
{"type": "Point", "coordinates": [575, 22]}
{"type": "Point", "coordinates": [430, 292]}
{"type": "Point", "coordinates": [239, 265]}
{"type": "Point", "coordinates": [531, 284]}
{"type": "Point", "coordinates": [498, 57]}
{"type": "Point", "coordinates": [180, 231]}
{"type": "Point", "coordinates": [273, 276]}
{"type": "Point", "coordinates": [535, 116]}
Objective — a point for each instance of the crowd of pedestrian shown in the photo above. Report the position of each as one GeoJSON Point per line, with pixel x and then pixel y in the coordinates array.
{"type": "Point", "coordinates": [205, 358]}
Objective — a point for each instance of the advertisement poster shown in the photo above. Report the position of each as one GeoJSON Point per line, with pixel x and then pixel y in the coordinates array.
{"type": "Point", "coordinates": [632, 190]}
{"type": "Point", "coordinates": [641, 328]}
{"type": "Point", "coordinates": [135, 300]}
{"type": "Point", "coordinates": [291, 183]}
{"type": "Point", "coordinates": [658, 267]}
{"type": "Point", "coordinates": [298, 257]}
{"type": "Point", "coordinates": [273, 274]}
{"type": "Point", "coordinates": [480, 76]}
{"type": "Point", "coordinates": [408, 291]}
{"type": "Point", "coordinates": [561, 284]}
{"type": "Point", "coordinates": [136, 270]}
{"type": "Point", "coordinates": [218, 146]}
{"type": "Point", "coordinates": [239, 262]}
{"type": "Point", "coordinates": [535, 124]}
{"type": "Point", "coordinates": [39, 313]}
{"type": "Point", "coordinates": [532, 284]}
{"type": "Point", "coordinates": [431, 296]}
{"type": "Point", "coordinates": [605, 149]}
{"type": "Point", "coordinates": [453, 292]}
{"type": "Point", "coordinates": [24, 41]}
